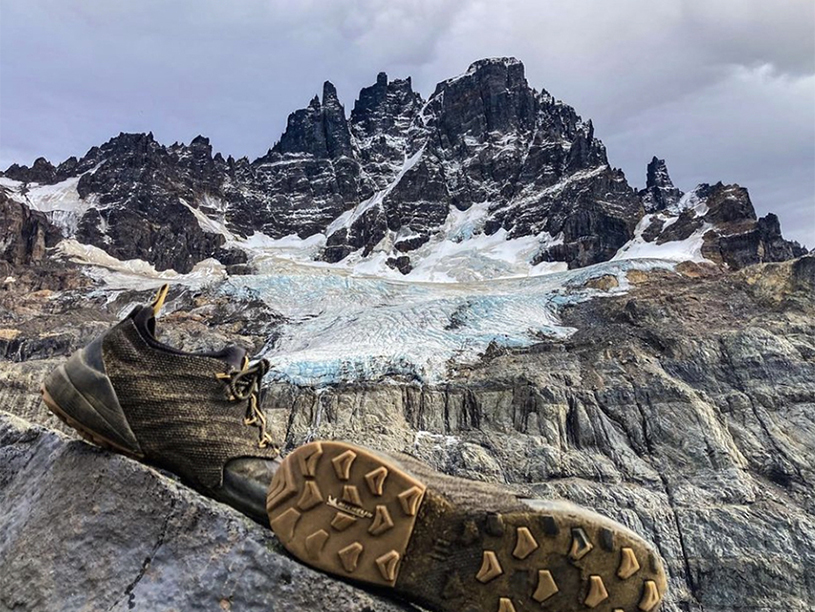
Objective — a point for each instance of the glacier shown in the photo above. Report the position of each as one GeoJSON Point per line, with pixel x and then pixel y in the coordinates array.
{"type": "Point", "coordinates": [341, 325]}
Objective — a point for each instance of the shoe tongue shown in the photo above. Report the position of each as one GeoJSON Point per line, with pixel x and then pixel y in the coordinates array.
{"type": "Point", "coordinates": [145, 321]}
{"type": "Point", "coordinates": [233, 355]}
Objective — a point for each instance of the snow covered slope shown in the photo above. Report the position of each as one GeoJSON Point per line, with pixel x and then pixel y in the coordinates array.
{"type": "Point", "coordinates": [60, 201]}
{"type": "Point", "coordinates": [342, 325]}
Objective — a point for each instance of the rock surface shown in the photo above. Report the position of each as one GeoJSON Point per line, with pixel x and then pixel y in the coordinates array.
{"type": "Point", "coordinates": [86, 530]}
{"type": "Point", "coordinates": [25, 234]}
{"type": "Point", "coordinates": [683, 408]}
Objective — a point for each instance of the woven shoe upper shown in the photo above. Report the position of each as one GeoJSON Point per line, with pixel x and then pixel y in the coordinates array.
{"type": "Point", "coordinates": [180, 405]}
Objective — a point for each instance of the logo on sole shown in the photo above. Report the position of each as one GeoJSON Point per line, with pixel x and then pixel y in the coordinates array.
{"type": "Point", "coordinates": [350, 509]}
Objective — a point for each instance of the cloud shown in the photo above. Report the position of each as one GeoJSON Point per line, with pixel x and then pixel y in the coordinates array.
{"type": "Point", "coordinates": [723, 90]}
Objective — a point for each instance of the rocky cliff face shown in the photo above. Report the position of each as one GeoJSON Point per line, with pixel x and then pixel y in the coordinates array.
{"type": "Point", "coordinates": [85, 530]}
{"type": "Point", "coordinates": [24, 234]}
{"type": "Point", "coordinates": [387, 179]}
{"type": "Point", "coordinates": [682, 407]}
{"type": "Point", "coordinates": [721, 218]}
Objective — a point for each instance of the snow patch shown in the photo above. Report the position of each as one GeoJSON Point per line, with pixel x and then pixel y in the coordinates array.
{"type": "Point", "coordinates": [60, 202]}
{"type": "Point", "coordinates": [348, 218]}
{"type": "Point", "coordinates": [690, 201]}
{"type": "Point", "coordinates": [9, 184]}
{"type": "Point", "coordinates": [208, 224]}
{"type": "Point", "coordinates": [689, 249]}
{"type": "Point", "coordinates": [267, 253]}
{"type": "Point", "coordinates": [462, 252]}
{"type": "Point", "coordinates": [135, 273]}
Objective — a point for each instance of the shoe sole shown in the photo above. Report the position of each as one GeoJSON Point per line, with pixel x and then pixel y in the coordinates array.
{"type": "Point", "coordinates": [346, 511]}
{"type": "Point", "coordinates": [86, 434]}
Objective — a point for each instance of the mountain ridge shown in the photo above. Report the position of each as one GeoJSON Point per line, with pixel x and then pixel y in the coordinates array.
{"type": "Point", "coordinates": [385, 179]}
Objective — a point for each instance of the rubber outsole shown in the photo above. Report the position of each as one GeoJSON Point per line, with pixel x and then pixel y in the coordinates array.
{"type": "Point", "coordinates": [86, 434]}
{"type": "Point", "coordinates": [354, 514]}
{"type": "Point", "coordinates": [233, 494]}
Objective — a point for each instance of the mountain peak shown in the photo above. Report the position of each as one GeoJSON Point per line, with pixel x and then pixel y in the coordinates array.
{"type": "Point", "coordinates": [41, 171]}
{"type": "Point", "coordinates": [659, 192]}
{"type": "Point", "coordinates": [320, 129]}
{"type": "Point", "coordinates": [495, 61]}
{"type": "Point", "coordinates": [657, 174]}
{"type": "Point", "coordinates": [381, 105]}
{"type": "Point", "coordinates": [329, 93]}
{"type": "Point", "coordinates": [508, 70]}
{"type": "Point", "coordinates": [200, 141]}
{"type": "Point", "coordinates": [486, 157]}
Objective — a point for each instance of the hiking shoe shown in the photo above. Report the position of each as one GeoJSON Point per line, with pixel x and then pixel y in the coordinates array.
{"type": "Point", "coordinates": [453, 545]}
{"type": "Point", "coordinates": [194, 414]}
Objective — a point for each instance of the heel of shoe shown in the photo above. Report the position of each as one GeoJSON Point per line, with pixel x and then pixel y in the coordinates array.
{"type": "Point", "coordinates": [344, 510]}
{"type": "Point", "coordinates": [80, 394]}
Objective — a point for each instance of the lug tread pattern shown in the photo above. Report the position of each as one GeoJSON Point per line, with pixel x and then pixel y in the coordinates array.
{"type": "Point", "coordinates": [490, 568]}
{"type": "Point", "coordinates": [534, 561]}
{"type": "Point", "coordinates": [367, 510]}
{"type": "Point", "coordinates": [355, 511]}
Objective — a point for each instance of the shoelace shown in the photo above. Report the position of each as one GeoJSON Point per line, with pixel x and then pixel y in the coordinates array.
{"type": "Point", "coordinates": [245, 384]}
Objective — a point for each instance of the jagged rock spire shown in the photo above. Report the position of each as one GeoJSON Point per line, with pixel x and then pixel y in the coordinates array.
{"type": "Point", "coordinates": [383, 106]}
{"type": "Point", "coordinates": [659, 192]}
{"type": "Point", "coordinates": [320, 129]}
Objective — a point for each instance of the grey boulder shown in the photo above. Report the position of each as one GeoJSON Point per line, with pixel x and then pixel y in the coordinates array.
{"type": "Point", "coordinates": [83, 529]}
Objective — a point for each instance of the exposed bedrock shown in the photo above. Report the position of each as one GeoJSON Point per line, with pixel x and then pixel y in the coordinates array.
{"type": "Point", "coordinates": [83, 529]}
{"type": "Point", "coordinates": [684, 408]}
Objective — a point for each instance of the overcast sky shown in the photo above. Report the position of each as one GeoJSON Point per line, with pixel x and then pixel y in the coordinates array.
{"type": "Point", "coordinates": [723, 89]}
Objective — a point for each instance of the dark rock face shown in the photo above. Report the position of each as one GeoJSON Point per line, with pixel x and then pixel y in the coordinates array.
{"type": "Point", "coordinates": [42, 171]}
{"type": "Point", "coordinates": [142, 189]}
{"type": "Point", "coordinates": [307, 179]}
{"type": "Point", "coordinates": [400, 263]}
{"type": "Point", "coordinates": [388, 177]}
{"type": "Point", "coordinates": [487, 136]}
{"type": "Point", "coordinates": [739, 238]}
{"type": "Point", "coordinates": [722, 215]}
{"type": "Point", "coordinates": [319, 130]}
{"type": "Point", "coordinates": [380, 123]}
{"type": "Point", "coordinates": [659, 192]}
{"type": "Point", "coordinates": [772, 245]}
{"type": "Point", "coordinates": [85, 530]}
{"type": "Point", "coordinates": [24, 233]}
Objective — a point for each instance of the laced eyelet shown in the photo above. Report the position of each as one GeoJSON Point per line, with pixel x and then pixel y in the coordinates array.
{"type": "Point", "coordinates": [266, 440]}
{"type": "Point", "coordinates": [244, 384]}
